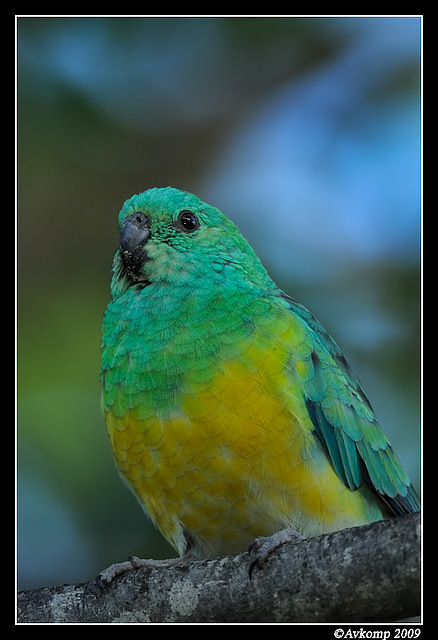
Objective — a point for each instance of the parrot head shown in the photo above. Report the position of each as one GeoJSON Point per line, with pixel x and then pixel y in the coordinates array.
{"type": "Point", "coordinates": [171, 237]}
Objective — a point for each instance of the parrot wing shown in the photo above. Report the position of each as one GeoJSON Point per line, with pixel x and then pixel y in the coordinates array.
{"type": "Point", "coordinates": [344, 421]}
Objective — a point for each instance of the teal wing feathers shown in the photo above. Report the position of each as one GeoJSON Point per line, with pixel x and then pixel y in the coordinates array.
{"type": "Point", "coordinates": [345, 423]}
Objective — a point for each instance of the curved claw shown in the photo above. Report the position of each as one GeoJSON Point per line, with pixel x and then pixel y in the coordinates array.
{"type": "Point", "coordinates": [264, 546]}
{"type": "Point", "coordinates": [106, 576]}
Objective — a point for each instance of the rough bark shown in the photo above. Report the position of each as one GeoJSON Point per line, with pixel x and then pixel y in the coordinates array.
{"type": "Point", "coordinates": [364, 574]}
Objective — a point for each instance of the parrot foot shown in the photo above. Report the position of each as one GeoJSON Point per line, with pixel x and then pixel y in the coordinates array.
{"type": "Point", "coordinates": [106, 576]}
{"type": "Point", "coordinates": [264, 546]}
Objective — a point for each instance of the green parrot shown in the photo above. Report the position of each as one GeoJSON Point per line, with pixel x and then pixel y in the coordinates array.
{"type": "Point", "coordinates": [231, 412]}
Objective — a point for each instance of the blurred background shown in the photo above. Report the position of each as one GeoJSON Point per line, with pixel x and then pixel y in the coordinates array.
{"type": "Point", "coordinates": [304, 131]}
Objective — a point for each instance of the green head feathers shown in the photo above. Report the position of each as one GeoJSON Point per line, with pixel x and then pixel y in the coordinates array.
{"type": "Point", "coordinates": [168, 236]}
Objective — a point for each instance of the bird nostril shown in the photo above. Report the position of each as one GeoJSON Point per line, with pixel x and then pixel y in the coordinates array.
{"type": "Point", "coordinates": [141, 220]}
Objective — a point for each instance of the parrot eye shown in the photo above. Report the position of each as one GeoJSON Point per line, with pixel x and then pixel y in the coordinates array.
{"type": "Point", "coordinates": [187, 221]}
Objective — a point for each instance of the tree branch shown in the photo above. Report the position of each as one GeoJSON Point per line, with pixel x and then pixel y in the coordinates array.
{"type": "Point", "coordinates": [364, 574]}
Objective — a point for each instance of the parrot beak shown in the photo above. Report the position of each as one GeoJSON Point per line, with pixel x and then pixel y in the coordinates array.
{"type": "Point", "coordinates": [135, 233]}
{"type": "Point", "coordinates": [133, 236]}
